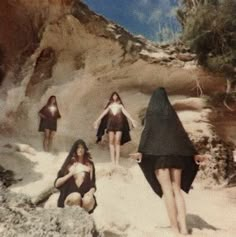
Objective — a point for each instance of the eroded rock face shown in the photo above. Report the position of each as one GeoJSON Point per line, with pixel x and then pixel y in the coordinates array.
{"type": "Point", "coordinates": [220, 168]}
{"type": "Point", "coordinates": [72, 52]}
{"type": "Point", "coordinates": [18, 216]}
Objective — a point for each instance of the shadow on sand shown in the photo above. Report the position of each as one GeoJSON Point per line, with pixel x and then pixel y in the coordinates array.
{"type": "Point", "coordinates": [194, 221]}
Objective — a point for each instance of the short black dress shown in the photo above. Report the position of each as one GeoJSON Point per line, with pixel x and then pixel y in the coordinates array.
{"type": "Point", "coordinates": [169, 161]}
{"type": "Point", "coordinates": [50, 120]}
{"type": "Point", "coordinates": [115, 122]}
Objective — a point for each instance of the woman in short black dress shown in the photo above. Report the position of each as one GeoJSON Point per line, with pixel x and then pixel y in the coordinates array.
{"type": "Point", "coordinates": [49, 115]}
{"type": "Point", "coordinates": [114, 121]}
{"type": "Point", "coordinates": [167, 157]}
{"type": "Point", "coordinates": [76, 179]}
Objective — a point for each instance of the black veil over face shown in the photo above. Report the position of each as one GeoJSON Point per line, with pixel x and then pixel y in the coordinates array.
{"type": "Point", "coordinates": [159, 104]}
{"type": "Point", "coordinates": [163, 132]}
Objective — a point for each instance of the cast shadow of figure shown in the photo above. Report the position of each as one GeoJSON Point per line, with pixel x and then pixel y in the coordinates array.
{"type": "Point", "coordinates": [110, 234]}
{"type": "Point", "coordinates": [195, 221]}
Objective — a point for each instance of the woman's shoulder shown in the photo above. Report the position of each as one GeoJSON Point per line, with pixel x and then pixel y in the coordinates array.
{"type": "Point", "coordinates": [90, 162]}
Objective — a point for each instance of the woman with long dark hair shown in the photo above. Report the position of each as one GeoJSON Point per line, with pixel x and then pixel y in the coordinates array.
{"type": "Point", "coordinates": [76, 179]}
{"type": "Point", "coordinates": [49, 115]}
{"type": "Point", "coordinates": [167, 157]}
{"type": "Point", "coordinates": [114, 120]}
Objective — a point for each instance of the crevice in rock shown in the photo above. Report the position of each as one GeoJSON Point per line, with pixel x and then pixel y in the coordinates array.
{"type": "Point", "coordinates": [42, 70]}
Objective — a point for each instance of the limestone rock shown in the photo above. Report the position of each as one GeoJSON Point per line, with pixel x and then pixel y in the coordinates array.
{"type": "Point", "coordinates": [20, 217]}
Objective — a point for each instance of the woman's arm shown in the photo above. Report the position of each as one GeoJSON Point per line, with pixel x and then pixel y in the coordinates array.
{"type": "Point", "coordinates": [42, 111]}
{"type": "Point", "coordinates": [58, 114]}
{"type": "Point", "coordinates": [128, 116]}
{"type": "Point", "coordinates": [41, 115]}
{"type": "Point", "coordinates": [60, 181]}
{"type": "Point", "coordinates": [136, 156]}
{"type": "Point", "coordinates": [100, 117]}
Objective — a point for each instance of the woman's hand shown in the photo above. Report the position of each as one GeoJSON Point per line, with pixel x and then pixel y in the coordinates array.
{"type": "Point", "coordinates": [95, 125]}
{"type": "Point", "coordinates": [136, 156]}
{"type": "Point", "coordinates": [199, 159]}
{"type": "Point", "coordinates": [134, 123]}
{"type": "Point", "coordinates": [72, 169]}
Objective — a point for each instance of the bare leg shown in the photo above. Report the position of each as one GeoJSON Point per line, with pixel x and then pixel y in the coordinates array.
{"type": "Point", "coordinates": [111, 146]}
{"type": "Point", "coordinates": [117, 146]}
{"type": "Point", "coordinates": [73, 199]}
{"type": "Point", "coordinates": [46, 139]}
{"type": "Point", "coordinates": [164, 178]}
{"type": "Point", "coordinates": [179, 199]}
{"type": "Point", "coordinates": [51, 135]}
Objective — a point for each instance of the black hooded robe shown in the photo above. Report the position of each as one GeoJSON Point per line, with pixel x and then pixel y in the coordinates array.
{"type": "Point", "coordinates": [70, 186]}
{"type": "Point", "coordinates": [164, 137]}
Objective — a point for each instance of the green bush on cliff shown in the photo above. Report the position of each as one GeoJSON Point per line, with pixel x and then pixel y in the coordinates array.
{"type": "Point", "coordinates": [209, 28]}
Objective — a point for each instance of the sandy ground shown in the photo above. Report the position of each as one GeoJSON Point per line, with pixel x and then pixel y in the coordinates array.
{"type": "Point", "coordinates": [126, 204]}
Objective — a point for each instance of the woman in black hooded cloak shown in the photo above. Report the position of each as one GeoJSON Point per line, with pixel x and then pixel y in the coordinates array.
{"type": "Point", "coordinates": [49, 115]}
{"type": "Point", "coordinates": [76, 179]}
{"type": "Point", "coordinates": [114, 121]}
{"type": "Point", "coordinates": [167, 157]}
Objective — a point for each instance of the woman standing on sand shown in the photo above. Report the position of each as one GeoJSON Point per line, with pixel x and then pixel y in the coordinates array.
{"type": "Point", "coordinates": [167, 157]}
{"type": "Point", "coordinates": [49, 115]}
{"type": "Point", "coordinates": [114, 119]}
{"type": "Point", "coordinates": [76, 179]}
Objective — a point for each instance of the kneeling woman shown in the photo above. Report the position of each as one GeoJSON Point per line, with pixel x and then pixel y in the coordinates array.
{"type": "Point", "coordinates": [76, 179]}
{"type": "Point", "coordinates": [167, 157]}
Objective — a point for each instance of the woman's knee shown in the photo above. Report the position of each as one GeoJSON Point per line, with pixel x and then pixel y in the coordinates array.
{"type": "Point", "coordinates": [88, 202]}
{"type": "Point", "coordinates": [51, 135]}
{"type": "Point", "coordinates": [46, 134]}
{"type": "Point", "coordinates": [117, 141]}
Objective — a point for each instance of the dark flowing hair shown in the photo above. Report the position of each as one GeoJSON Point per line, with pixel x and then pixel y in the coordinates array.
{"type": "Point", "coordinates": [71, 158]}
{"type": "Point", "coordinates": [111, 99]}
